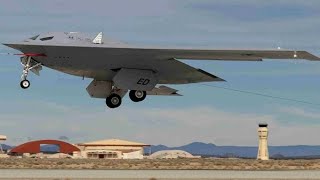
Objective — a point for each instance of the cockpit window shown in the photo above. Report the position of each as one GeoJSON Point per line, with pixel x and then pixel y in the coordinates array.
{"type": "Point", "coordinates": [46, 38]}
{"type": "Point", "coordinates": [34, 37]}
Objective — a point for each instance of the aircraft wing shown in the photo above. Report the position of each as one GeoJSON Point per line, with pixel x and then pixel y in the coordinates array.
{"type": "Point", "coordinates": [235, 55]}
{"type": "Point", "coordinates": [177, 72]}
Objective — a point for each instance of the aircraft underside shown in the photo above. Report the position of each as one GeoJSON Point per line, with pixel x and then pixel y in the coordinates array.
{"type": "Point", "coordinates": [113, 82]}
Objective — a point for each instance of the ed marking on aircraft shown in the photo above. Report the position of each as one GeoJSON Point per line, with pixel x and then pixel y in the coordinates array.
{"type": "Point", "coordinates": [117, 67]}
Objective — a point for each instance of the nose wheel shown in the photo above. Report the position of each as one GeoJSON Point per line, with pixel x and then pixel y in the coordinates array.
{"type": "Point", "coordinates": [25, 84]}
{"type": "Point", "coordinates": [113, 101]}
{"type": "Point", "coordinates": [137, 95]}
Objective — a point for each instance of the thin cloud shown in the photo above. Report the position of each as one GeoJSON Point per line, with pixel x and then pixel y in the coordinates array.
{"type": "Point", "coordinates": [296, 111]}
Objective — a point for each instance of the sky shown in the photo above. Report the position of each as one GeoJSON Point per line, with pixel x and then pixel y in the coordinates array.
{"type": "Point", "coordinates": [57, 104]}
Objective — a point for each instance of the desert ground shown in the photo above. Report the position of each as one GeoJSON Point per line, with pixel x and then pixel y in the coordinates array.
{"type": "Point", "coordinates": [161, 164]}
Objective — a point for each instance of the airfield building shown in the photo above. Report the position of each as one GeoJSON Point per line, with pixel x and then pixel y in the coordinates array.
{"type": "Point", "coordinates": [111, 149]}
{"type": "Point", "coordinates": [2, 138]}
{"type": "Point", "coordinates": [34, 147]}
{"type": "Point", "coordinates": [104, 149]}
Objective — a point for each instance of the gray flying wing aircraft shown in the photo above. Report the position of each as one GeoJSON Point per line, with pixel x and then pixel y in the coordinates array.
{"type": "Point", "coordinates": [117, 67]}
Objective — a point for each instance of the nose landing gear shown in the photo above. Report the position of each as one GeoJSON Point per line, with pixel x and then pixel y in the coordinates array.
{"type": "Point", "coordinates": [26, 66]}
{"type": "Point", "coordinates": [26, 63]}
{"type": "Point", "coordinates": [25, 84]}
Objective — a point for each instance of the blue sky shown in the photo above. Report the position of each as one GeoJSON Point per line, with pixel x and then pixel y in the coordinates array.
{"type": "Point", "coordinates": [57, 104]}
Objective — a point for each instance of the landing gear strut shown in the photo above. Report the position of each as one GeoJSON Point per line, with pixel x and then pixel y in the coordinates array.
{"type": "Point", "coordinates": [137, 95]}
{"type": "Point", "coordinates": [113, 101]}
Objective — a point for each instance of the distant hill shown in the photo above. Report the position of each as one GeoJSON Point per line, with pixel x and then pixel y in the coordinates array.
{"type": "Point", "coordinates": [49, 148]}
{"type": "Point", "coordinates": [6, 147]}
{"type": "Point", "coordinates": [199, 148]}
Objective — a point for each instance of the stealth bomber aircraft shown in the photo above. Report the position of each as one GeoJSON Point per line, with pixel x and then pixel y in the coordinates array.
{"type": "Point", "coordinates": [117, 68]}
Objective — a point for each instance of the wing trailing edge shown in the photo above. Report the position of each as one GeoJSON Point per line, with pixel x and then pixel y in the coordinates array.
{"type": "Point", "coordinates": [215, 78]}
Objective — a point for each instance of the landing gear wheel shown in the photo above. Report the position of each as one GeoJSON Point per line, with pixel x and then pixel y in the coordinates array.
{"type": "Point", "coordinates": [137, 96]}
{"type": "Point", "coordinates": [24, 84]}
{"type": "Point", "coordinates": [113, 101]}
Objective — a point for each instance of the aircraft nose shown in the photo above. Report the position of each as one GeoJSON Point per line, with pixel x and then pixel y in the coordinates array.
{"type": "Point", "coordinates": [12, 45]}
{"type": "Point", "coordinates": [8, 44]}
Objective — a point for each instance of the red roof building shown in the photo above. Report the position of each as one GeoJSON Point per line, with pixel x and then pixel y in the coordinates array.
{"type": "Point", "coordinates": [33, 147]}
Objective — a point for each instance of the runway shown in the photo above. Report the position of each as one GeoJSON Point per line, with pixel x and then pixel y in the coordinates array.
{"type": "Point", "coordinates": [157, 174]}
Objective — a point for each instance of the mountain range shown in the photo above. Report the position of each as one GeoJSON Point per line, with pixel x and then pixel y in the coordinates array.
{"type": "Point", "coordinates": [209, 149]}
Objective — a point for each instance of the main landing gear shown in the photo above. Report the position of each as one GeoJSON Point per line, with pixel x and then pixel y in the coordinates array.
{"type": "Point", "coordinates": [114, 100]}
{"type": "Point", "coordinates": [137, 95]}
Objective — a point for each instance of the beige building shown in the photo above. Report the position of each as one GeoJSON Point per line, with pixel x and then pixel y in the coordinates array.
{"type": "Point", "coordinates": [111, 149]}
{"type": "Point", "coordinates": [2, 138]}
{"type": "Point", "coordinates": [263, 153]}
{"type": "Point", "coordinates": [2, 153]}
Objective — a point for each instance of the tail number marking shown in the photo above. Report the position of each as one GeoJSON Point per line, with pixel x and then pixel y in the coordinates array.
{"type": "Point", "coordinates": [143, 81]}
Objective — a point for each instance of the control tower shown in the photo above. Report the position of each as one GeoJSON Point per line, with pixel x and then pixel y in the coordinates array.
{"type": "Point", "coordinates": [263, 153]}
{"type": "Point", "coordinates": [2, 138]}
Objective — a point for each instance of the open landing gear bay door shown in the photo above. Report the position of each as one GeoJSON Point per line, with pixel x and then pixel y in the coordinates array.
{"type": "Point", "coordinates": [99, 89]}
{"type": "Point", "coordinates": [135, 79]}
{"type": "Point", "coordinates": [163, 91]}
{"type": "Point", "coordinates": [35, 67]}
